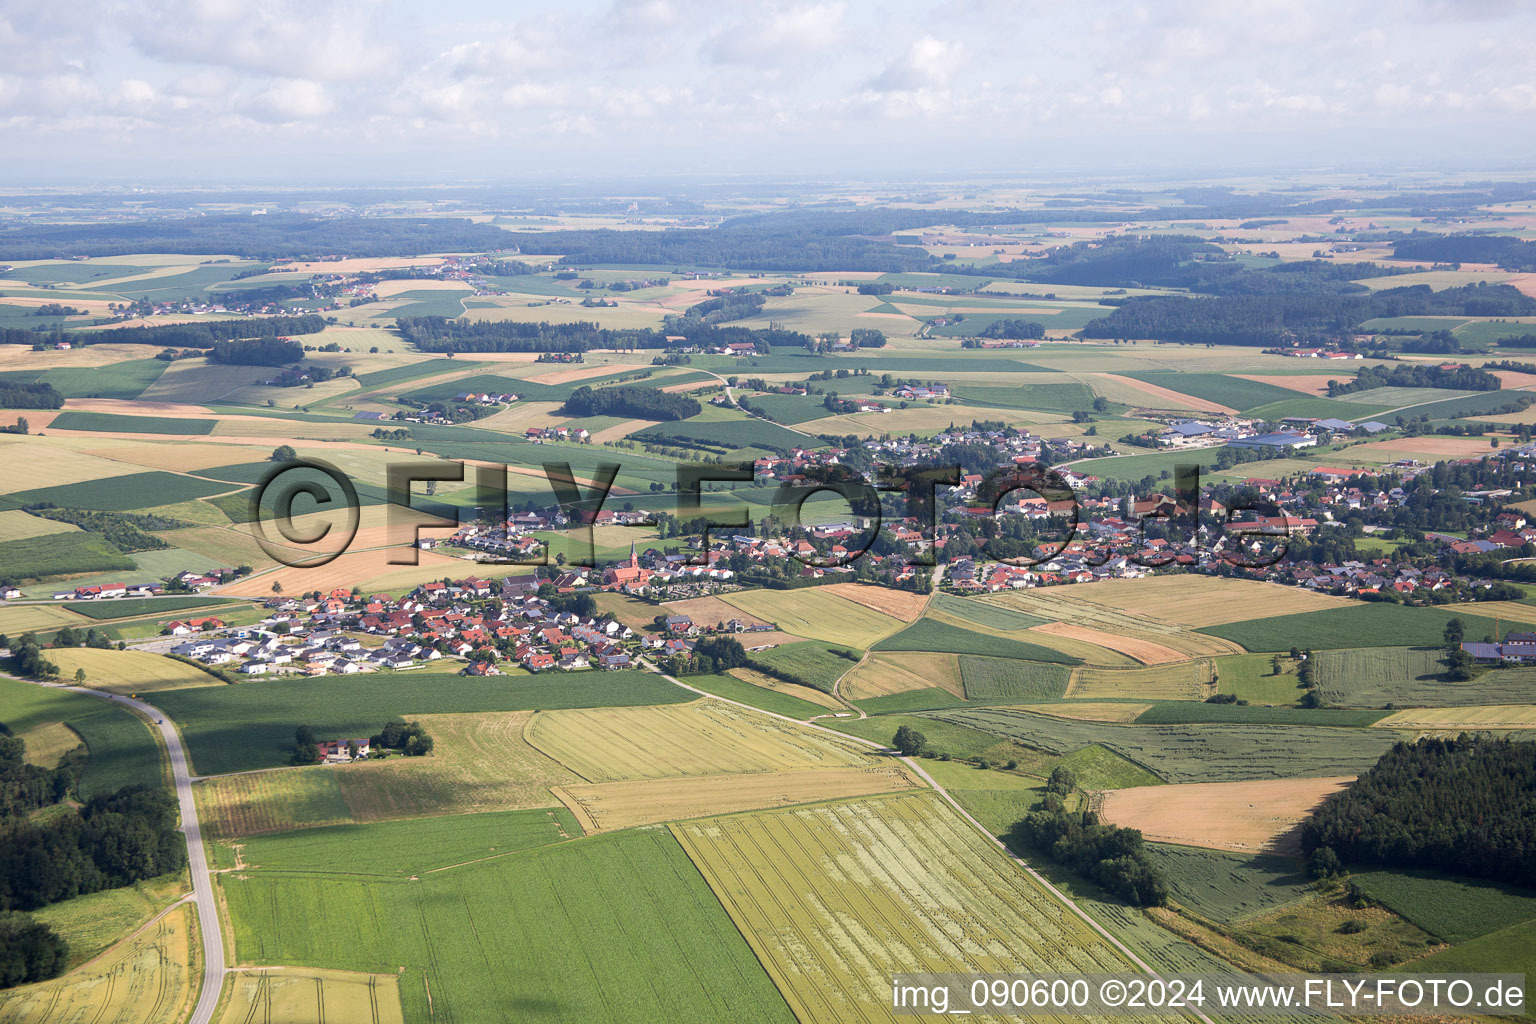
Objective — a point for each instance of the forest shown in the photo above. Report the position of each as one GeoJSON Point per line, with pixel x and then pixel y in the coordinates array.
{"type": "Point", "coordinates": [15, 395]}
{"type": "Point", "coordinates": [257, 352]}
{"type": "Point", "coordinates": [1465, 806]}
{"type": "Point", "coordinates": [638, 403]}
{"type": "Point", "coordinates": [194, 335]}
{"type": "Point", "coordinates": [1509, 253]}
{"type": "Point", "coordinates": [439, 334]}
{"type": "Point", "coordinates": [1416, 375]}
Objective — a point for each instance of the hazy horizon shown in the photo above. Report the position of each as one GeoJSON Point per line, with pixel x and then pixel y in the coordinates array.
{"type": "Point", "coordinates": [325, 92]}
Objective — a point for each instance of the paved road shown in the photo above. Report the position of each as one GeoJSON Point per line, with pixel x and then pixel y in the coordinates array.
{"type": "Point", "coordinates": [202, 882]}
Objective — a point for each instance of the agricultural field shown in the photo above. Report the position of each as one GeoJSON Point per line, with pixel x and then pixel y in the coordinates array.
{"type": "Point", "coordinates": [18, 525]}
{"type": "Point", "coordinates": [1377, 676]}
{"type": "Point", "coordinates": [981, 612]}
{"type": "Point", "coordinates": [1193, 753]}
{"type": "Point", "coordinates": [881, 675]}
{"type": "Point", "coordinates": [761, 691]}
{"type": "Point", "coordinates": [122, 749]}
{"type": "Point", "coordinates": [1453, 909]}
{"type": "Point", "coordinates": [706, 737]}
{"type": "Point", "coordinates": [308, 996]}
{"type": "Point", "coordinates": [1093, 711]}
{"type": "Point", "coordinates": [61, 554]}
{"type": "Point", "coordinates": [1080, 613]}
{"type": "Point", "coordinates": [902, 873]}
{"type": "Point", "coordinates": [1194, 600]}
{"type": "Point", "coordinates": [1187, 680]}
{"type": "Point", "coordinates": [933, 635]}
{"type": "Point", "coordinates": [238, 728]}
{"type": "Point", "coordinates": [928, 698]}
{"type": "Point", "coordinates": [899, 604]}
{"type": "Point", "coordinates": [1227, 887]}
{"type": "Point", "coordinates": [617, 805]}
{"type": "Point", "coordinates": [814, 663]}
{"type": "Point", "coordinates": [1004, 680]}
{"type": "Point", "coordinates": [1244, 817]}
{"type": "Point", "coordinates": [128, 671]}
{"type": "Point", "coordinates": [814, 613]}
{"type": "Point", "coordinates": [93, 923]}
{"type": "Point", "coordinates": [1390, 625]}
{"type": "Point", "coordinates": [480, 763]}
{"type": "Point", "coordinates": [1252, 678]}
{"type": "Point", "coordinates": [577, 941]}
{"type": "Point", "coordinates": [1498, 716]}
{"type": "Point", "coordinates": [146, 979]}
{"type": "Point", "coordinates": [123, 493]}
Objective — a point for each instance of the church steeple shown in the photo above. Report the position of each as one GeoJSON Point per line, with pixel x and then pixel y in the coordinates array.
{"type": "Point", "coordinates": [634, 559]}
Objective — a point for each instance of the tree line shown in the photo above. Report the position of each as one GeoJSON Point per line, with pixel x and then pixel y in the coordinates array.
{"type": "Point", "coordinates": [202, 334]}
{"type": "Point", "coordinates": [15, 395]}
{"type": "Point", "coordinates": [631, 402]}
{"type": "Point", "coordinates": [1415, 375]}
{"type": "Point", "coordinates": [268, 351]}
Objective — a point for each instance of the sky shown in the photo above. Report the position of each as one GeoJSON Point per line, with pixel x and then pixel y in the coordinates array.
{"type": "Point", "coordinates": [366, 90]}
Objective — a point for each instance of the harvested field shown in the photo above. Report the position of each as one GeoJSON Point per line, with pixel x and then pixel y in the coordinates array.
{"type": "Point", "coordinates": [616, 805]}
{"type": "Point", "coordinates": [899, 604]}
{"type": "Point", "coordinates": [253, 803]}
{"type": "Point", "coordinates": [180, 456]}
{"type": "Point", "coordinates": [1246, 817]}
{"type": "Point", "coordinates": [308, 995]}
{"type": "Point", "coordinates": [834, 898]}
{"type": "Point", "coordinates": [583, 371]}
{"type": "Point", "coordinates": [1196, 600]}
{"type": "Point", "coordinates": [1080, 607]}
{"type": "Point", "coordinates": [619, 431]}
{"type": "Point", "coordinates": [128, 671]}
{"type": "Point", "coordinates": [811, 612]}
{"type": "Point", "coordinates": [22, 618]}
{"type": "Point", "coordinates": [369, 569]}
{"type": "Point", "coordinates": [48, 742]}
{"type": "Point", "coordinates": [1499, 716]}
{"type": "Point", "coordinates": [881, 675]}
{"type": "Point", "coordinates": [1093, 711]}
{"type": "Point", "coordinates": [1190, 680]}
{"type": "Point", "coordinates": [1158, 397]}
{"type": "Point", "coordinates": [1307, 384]}
{"type": "Point", "coordinates": [705, 737]}
{"type": "Point", "coordinates": [28, 461]}
{"type": "Point", "coordinates": [1147, 652]}
{"type": "Point", "coordinates": [145, 979]}
{"type": "Point", "coordinates": [707, 611]}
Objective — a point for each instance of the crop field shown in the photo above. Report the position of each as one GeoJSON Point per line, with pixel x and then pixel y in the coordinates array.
{"type": "Point", "coordinates": [1233, 392]}
{"type": "Point", "coordinates": [704, 611]}
{"type": "Point", "coordinates": [899, 604]}
{"type": "Point", "coordinates": [18, 525]}
{"type": "Point", "coordinates": [237, 728]}
{"type": "Point", "coordinates": [1387, 624]}
{"type": "Point", "coordinates": [1511, 950]}
{"type": "Point", "coordinates": [1067, 397]}
{"type": "Point", "coordinates": [810, 661]}
{"type": "Point", "coordinates": [1193, 753]}
{"type": "Point", "coordinates": [576, 947]}
{"type": "Point", "coordinates": [884, 674]}
{"type": "Point", "coordinates": [760, 691]}
{"type": "Point", "coordinates": [1004, 679]}
{"type": "Point", "coordinates": [614, 805]}
{"type": "Point", "coordinates": [95, 922]}
{"type": "Point", "coordinates": [25, 618]}
{"type": "Point", "coordinates": [835, 898]}
{"type": "Point", "coordinates": [983, 613]}
{"type": "Point", "coordinates": [1147, 652]}
{"type": "Point", "coordinates": [1251, 677]}
{"type": "Point", "coordinates": [811, 612]}
{"type": "Point", "coordinates": [1194, 600]}
{"type": "Point", "coordinates": [122, 749]}
{"type": "Point", "coordinates": [706, 737]}
{"type": "Point", "coordinates": [1226, 886]}
{"type": "Point", "coordinates": [1454, 909]}
{"type": "Point", "coordinates": [1498, 716]}
{"type": "Point", "coordinates": [120, 493]}
{"type": "Point", "coordinates": [1376, 676]}
{"type": "Point", "coordinates": [1188, 680]}
{"type": "Point", "coordinates": [128, 671]}
{"type": "Point", "coordinates": [132, 607]}
{"type": "Point", "coordinates": [60, 554]}
{"type": "Point", "coordinates": [1184, 712]}
{"type": "Point", "coordinates": [115, 423]}
{"type": "Point", "coordinates": [300, 996]}
{"type": "Point", "coordinates": [1093, 711]}
{"type": "Point", "coordinates": [1138, 635]}
{"type": "Point", "coordinates": [480, 762]}
{"type": "Point", "coordinates": [1245, 817]}
{"type": "Point", "coordinates": [146, 979]}
{"type": "Point", "coordinates": [933, 635]}
{"type": "Point", "coordinates": [929, 698]}
{"type": "Point", "coordinates": [49, 742]}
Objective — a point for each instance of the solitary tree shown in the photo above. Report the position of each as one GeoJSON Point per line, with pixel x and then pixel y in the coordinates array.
{"type": "Point", "coordinates": [284, 453]}
{"type": "Point", "coordinates": [909, 741]}
{"type": "Point", "coordinates": [1455, 632]}
{"type": "Point", "coordinates": [277, 587]}
{"type": "Point", "coordinates": [79, 677]}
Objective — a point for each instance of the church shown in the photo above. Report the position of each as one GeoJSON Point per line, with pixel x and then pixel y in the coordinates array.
{"type": "Point", "coordinates": [627, 574]}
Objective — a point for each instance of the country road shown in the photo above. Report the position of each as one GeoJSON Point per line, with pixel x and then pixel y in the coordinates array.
{"type": "Point", "coordinates": [197, 860]}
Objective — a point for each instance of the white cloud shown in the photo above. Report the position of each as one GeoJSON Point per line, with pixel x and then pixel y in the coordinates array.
{"type": "Point", "coordinates": [926, 64]}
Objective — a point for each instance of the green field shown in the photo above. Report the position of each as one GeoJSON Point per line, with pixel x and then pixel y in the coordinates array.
{"type": "Point", "coordinates": [929, 698]}
{"type": "Point", "coordinates": [942, 638]}
{"type": "Point", "coordinates": [1067, 397]}
{"type": "Point", "coordinates": [57, 554]}
{"type": "Point", "coordinates": [116, 380]}
{"type": "Point", "coordinates": [1005, 679]}
{"type": "Point", "coordinates": [1388, 625]}
{"type": "Point", "coordinates": [1227, 886]}
{"type": "Point", "coordinates": [1377, 676]}
{"type": "Point", "coordinates": [1153, 464]}
{"type": "Point", "coordinates": [1509, 951]}
{"type": "Point", "coordinates": [984, 614]}
{"type": "Point", "coordinates": [378, 378]}
{"type": "Point", "coordinates": [1251, 677]}
{"type": "Point", "coordinates": [129, 607]}
{"type": "Point", "coordinates": [791, 409]}
{"type": "Point", "coordinates": [1451, 908]}
{"type": "Point", "coordinates": [116, 423]}
{"type": "Point", "coordinates": [122, 750]}
{"type": "Point", "coordinates": [812, 662]}
{"type": "Point", "coordinates": [612, 928]}
{"type": "Point", "coordinates": [1193, 753]}
{"type": "Point", "coordinates": [1233, 392]}
{"type": "Point", "coordinates": [734, 433]}
{"type": "Point", "coordinates": [1175, 712]}
{"type": "Point", "coordinates": [237, 728]}
{"type": "Point", "coordinates": [1321, 408]}
{"type": "Point", "coordinates": [123, 493]}
{"type": "Point", "coordinates": [779, 703]}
